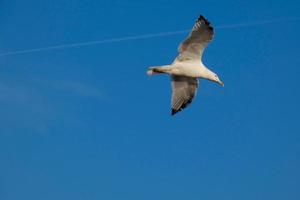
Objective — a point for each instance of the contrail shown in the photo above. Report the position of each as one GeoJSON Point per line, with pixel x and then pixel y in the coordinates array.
{"type": "Point", "coordinates": [144, 36]}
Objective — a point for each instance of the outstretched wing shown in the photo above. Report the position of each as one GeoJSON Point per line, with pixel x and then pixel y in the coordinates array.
{"type": "Point", "coordinates": [193, 46]}
{"type": "Point", "coordinates": [183, 91]}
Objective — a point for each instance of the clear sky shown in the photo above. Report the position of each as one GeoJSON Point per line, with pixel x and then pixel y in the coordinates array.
{"type": "Point", "coordinates": [87, 123]}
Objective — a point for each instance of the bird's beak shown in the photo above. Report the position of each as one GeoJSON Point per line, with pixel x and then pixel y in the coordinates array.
{"type": "Point", "coordinates": [221, 83]}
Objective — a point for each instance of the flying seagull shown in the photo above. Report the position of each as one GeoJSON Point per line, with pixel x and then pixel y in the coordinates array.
{"type": "Point", "coordinates": [187, 68]}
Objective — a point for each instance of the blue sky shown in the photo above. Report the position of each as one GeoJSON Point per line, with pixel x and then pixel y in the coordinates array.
{"type": "Point", "coordinates": [87, 123]}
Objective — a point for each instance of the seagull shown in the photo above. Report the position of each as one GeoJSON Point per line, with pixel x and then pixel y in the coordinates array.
{"type": "Point", "coordinates": [187, 68]}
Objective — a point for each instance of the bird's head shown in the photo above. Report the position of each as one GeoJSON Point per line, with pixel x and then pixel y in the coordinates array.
{"type": "Point", "coordinates": [208, 74]}
{"type": "Point", "coordinates": [216, 79]}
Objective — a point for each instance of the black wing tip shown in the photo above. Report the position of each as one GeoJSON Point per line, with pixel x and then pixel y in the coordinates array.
{"type": "Point", "coordinates": [203, 19]}
{"type": "Point", "coordinates": [173, 112]}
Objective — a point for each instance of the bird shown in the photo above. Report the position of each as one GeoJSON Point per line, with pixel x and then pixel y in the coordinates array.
{"type": "Point", "coordinates": [187, 68]}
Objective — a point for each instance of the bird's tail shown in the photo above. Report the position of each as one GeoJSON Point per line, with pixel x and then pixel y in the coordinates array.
{"type": "Point", "coordinates": [157, 70]}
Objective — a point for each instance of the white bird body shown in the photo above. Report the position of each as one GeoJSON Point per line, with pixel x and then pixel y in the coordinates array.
{"type": "Point", "coordinates": [188, 67]}
{"type": "Point", "coordinates": [185, 68]}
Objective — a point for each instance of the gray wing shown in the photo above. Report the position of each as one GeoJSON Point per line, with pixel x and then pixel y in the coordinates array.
{"type": "Point", "coordinates": [193, 46]}
{"type": "Point", "coordinates": [183, 91]}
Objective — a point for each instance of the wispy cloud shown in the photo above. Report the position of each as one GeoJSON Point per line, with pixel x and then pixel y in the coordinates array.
{"type": "Point", "coordinates": [13, 93]}
{"type": "Point", "coordinates": [23, 107]}
{"type": "Point", "coordinates": [76, 87]}
{"type": "Point", "coordinates": [144, 36]}
{"type": "Point", "coordinates": [32, 105]}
